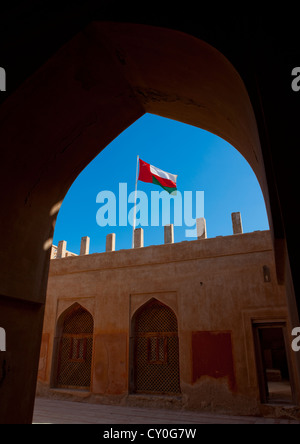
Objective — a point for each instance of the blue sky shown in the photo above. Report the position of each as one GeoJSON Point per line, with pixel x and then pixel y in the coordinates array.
{"type": "Point", "coordinates": [203, 162]}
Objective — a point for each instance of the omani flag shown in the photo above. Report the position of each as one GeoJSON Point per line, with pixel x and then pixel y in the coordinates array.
{"type": "Point", "coordinates": [151, 174]}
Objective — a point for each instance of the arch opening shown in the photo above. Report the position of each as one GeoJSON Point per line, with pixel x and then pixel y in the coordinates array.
{"type": "Point", "coordinates": [214, 180]}
{"type": "Point", "coordinates": [156, 350]}
{"type": "Point", "coordinates": [73, 349]}
{"type": "Point", "coordinates": [147, 70]}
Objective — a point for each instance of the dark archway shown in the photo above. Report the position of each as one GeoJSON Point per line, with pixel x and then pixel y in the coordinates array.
{"type": "Point", "coordinates": [92, 89]}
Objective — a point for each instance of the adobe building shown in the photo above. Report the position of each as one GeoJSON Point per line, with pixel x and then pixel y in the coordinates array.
{"type": "Point", "coordinates": [198, 324]}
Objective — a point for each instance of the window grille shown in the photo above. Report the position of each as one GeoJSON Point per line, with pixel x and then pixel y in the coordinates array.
{"type": "Point", "coordinates": [156, 350]}
{"type": "Point", "coordinates": [75, 350]}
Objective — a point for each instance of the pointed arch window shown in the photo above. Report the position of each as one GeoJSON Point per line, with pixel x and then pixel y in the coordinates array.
{"type": "Point", "coordinates": [156, 349]}
{"type": "Point", "coordinates": [74, 348]}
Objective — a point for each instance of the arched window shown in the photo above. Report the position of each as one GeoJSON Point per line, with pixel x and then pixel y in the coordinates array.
{"type": "Point", "coordinates": [156, 351]}
{"type": "Point", "coordinates": [75, 345]}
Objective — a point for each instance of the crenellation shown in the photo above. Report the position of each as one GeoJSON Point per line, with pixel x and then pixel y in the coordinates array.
{"type": "Point", "coordinates": [201, 228]}
{"type": "Point", "coordinates": [111, 242]}
{"type": "Point", "coordinates": [138, 238]}
{"type": "Point", "coordinates": [236, 223]}
{"type": "Point", "coordinates": [60, 251]}
{"type": "Point", "coordinates": [85, 245]}
{"type": "Point", "coordinates": [169, 234]}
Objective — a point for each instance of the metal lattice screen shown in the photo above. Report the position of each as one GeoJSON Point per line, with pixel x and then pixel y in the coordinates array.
{"type": "Point", "coordinates": [75, 350]}
{"type": "Point", "coordinates": [156, 350]}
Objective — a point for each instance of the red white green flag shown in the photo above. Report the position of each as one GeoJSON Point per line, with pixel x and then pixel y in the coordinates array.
{"type": "Point", "coordinates": [151, 174]}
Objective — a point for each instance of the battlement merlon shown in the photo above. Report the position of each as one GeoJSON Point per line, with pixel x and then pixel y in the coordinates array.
{"type": "Point", "coordinates": [60, 251]}
{"type": "Point", "coordinates": [236, 223]}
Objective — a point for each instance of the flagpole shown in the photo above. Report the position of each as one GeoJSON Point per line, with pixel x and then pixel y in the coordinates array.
{"type": "Point", "coordinates": [135, 193]}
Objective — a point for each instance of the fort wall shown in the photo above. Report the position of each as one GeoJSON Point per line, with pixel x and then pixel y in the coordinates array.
{"type": "Point", "coordinates": [218, 288]}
